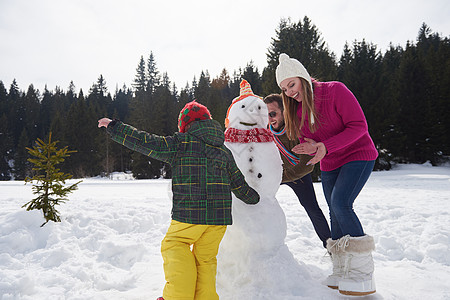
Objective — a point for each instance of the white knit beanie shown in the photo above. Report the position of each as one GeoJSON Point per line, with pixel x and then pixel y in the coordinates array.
{"type": "Point", "coordinates": [290, 67]}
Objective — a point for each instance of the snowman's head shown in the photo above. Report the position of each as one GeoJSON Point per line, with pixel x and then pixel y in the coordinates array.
{"type": "Point", "coordinates": [247, 111]}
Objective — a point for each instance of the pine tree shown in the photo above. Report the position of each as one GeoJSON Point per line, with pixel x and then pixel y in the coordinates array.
{"type": "Point", "coordinates": [32, 113]}
{"type": "Point", "coordinates": [251, 74]}
{"type": "Point", "coordinates": [16, 111]}
{"type": "Point", "coordinates": [222, 96]}
{"type": "Point", "coordinates": [121, 103]}
{"type": "Point", "coordinates": [3, 99]}
{"type": "Point", "coordinates": [222, 81]}
{"type": "Point", "coordinates": [99, 97]}
{"type": "Point", "coordinates": [386, 134]}
{"type": "Point", "coordinates": [433, 52]}
{"type": "Point", "coordinates": [185, 97]}
{"type": "Point", "coordinates": [148, 111]}
{"type": "Point", "coordinates": [6, 145]}
{"type": "Point", "coordinates": [153, 78]}
{"type": "Point", "coordinates": [6, 141]}
{"type": "Point", "coordinates": [47, 110]}
{"type": "Point", "coordinates": [49, 179]}
{"type": "Point", "coordinates": [202, 91]}
{"type": "Point", "coordinates": [138, 105]}
{"type": "Point", "coordinates": [236, 82]}
{"type": "Point", "coordinates": [21, 165]}
{"type": "Point", "coordinates": [118, 158]}
{"type": "Point", "coordinates": [413, 83]}
{"type": "Point", "coordinates": [302, 41]}
{"type": "Point", "coordinates": [140, 80]}
{"type": "Point", "coordinates": [360, 70]}
{"type": "Point", "coordinates": [80, 125]}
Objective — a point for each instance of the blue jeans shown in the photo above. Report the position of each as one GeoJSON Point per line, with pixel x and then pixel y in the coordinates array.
{"type": "Point", "coordinates": [304, 190]}
{"type": "Point", "coordinates": [341, 187]}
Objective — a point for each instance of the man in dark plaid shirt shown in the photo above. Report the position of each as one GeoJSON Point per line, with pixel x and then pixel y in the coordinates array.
{"type": "Point", "coordinates": [204, 174]}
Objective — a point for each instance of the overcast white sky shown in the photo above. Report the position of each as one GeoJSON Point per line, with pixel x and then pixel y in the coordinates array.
{"type": "Point", "coordinates": [55, 41]}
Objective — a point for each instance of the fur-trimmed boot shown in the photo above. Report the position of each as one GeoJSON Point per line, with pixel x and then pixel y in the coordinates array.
{"type": "Point", "coordinates": [335, 247]}
{"type": "Point", "coordinates": [357, 279]}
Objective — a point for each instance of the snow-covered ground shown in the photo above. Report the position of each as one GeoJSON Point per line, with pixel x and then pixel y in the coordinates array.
{"type": "Point", "coordinates": [108, 243]}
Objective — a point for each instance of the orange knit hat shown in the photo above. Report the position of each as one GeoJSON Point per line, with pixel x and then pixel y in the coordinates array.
{"type": "Point", "coordinates": [246, 91]}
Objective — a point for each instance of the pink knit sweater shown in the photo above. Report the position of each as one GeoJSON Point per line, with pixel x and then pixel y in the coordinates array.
{"type": "Point", "coordinates": [342, 126]}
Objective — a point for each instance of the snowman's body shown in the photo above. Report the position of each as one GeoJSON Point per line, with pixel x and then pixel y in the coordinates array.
{"type": "Point", "coordinates": [262, 226]}
{"type": "Point", "coordinates": [253, 253]}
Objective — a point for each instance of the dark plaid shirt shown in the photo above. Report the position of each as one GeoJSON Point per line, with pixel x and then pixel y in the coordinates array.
{"type": "Point", "coordinates": [203, 170]}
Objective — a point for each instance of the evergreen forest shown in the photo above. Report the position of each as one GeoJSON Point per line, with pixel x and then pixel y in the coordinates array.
{"type": "Point", "coordinates": [404, 92]}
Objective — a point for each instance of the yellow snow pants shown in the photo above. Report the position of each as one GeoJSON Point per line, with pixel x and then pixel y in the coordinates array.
{"type": "Point", "coordinates": [191, 274]}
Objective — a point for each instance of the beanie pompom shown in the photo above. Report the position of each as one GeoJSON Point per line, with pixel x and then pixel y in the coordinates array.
{"type": "Point", "coordinates": [283, 57]}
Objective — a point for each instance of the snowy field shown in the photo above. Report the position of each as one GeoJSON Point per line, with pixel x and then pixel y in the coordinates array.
{"type": "Point", "coordinates": [108, 243]}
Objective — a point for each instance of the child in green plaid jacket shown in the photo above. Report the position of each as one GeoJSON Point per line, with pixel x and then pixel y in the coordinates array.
{"type": "Point", "coordinates": [204, 174]}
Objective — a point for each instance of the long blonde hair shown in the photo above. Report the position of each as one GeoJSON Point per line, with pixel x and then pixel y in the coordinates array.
{"type": "Point", "coordinates": [292, 124]}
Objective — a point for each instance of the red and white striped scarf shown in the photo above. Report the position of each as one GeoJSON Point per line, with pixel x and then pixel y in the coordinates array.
{"type": "Point", "coordinates": [254, 135]}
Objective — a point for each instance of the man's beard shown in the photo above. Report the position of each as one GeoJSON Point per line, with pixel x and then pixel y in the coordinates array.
{"type": "Point", "coordinates": [279, 126]}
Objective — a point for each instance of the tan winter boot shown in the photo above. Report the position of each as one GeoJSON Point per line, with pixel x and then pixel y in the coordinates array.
{"type": "Point", "coordinates": [335, 248]}
{"type": "Point", "coordinates": [357, 279]}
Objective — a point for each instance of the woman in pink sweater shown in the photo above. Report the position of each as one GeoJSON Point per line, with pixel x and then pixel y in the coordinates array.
{"type": "Point", "coordinates": [331, 125]}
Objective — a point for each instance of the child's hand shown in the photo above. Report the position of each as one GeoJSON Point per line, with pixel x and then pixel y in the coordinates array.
{"type": "Point", "coordinates": [104, 122]}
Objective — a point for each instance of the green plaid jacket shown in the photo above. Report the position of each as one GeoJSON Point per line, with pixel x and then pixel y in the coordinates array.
{"type": "Point", "coordinates": [204, 172]}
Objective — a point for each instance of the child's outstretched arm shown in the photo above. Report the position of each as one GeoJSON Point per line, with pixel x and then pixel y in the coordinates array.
{"type": "Point", "coordinates": [158, 147]}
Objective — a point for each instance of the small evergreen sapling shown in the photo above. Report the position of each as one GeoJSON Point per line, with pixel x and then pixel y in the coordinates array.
{"type": "Point", "coordinates": [49, 180]}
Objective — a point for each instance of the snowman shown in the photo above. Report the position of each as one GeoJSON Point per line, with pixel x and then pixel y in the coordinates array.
{"type": "Point", "coordinates": [253, 252]}
{"type": "Point", "coordinates": [258, 158]}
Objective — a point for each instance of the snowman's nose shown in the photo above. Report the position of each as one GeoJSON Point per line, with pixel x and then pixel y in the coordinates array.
{"type": "Point", "coordinates": [253, 109]}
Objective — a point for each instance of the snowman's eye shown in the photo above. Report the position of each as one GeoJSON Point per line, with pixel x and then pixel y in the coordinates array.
{"type": "Point", "coordinates": [243, 106]}
{"type": "Point", "coordinates": [259, 107]}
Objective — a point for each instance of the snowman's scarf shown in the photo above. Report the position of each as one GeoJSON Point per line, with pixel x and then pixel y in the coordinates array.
{"type": "Point", "coordinates": [292, 158]}
{"type": "Point", "coordinates": [255, 135]}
